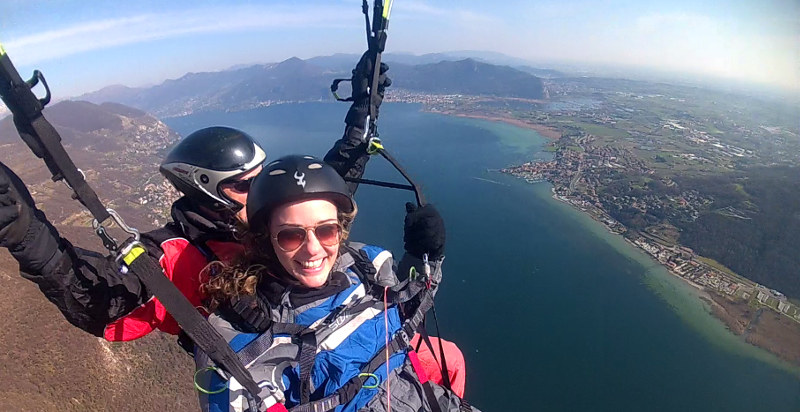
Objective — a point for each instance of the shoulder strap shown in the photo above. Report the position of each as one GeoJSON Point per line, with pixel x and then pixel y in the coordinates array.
{"type": "Point", "coordinates": [361, 265]}
{"type": "Point", "coordinates": [191, 321]}
{"type": "Point", "coordinates": [45, 142]}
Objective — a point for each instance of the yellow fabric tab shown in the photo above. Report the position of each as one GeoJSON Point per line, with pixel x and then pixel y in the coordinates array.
{"type": "Point", "coordinates": [387, 8]}
{"type": "Point", "coordinates": [374, 146]}
{"type": "Point", "coordinates": [2, 50]}
{"type": "Point", "coordinates": [133, 254]}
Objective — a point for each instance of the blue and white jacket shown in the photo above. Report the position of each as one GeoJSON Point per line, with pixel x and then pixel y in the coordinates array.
{"type": "Point", "coordinates": [330, 344]}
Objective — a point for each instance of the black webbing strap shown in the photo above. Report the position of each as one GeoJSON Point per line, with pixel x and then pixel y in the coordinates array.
{"type": "Point", "coordinates": [41, 136]}
{"type": "Point", "coordinates": [349, 390]}
{"type": "Point", "coordinates": [445, 372]}
{"type": "Point", "coordinates": [405, 291]}
{"type": "Point", "coordinates": [308, 353]}
{"type": "Point", "coordinates": [83, 192]}
{"type": "Point", "coordinates": [423, 333]}
{"type": "Point", "coordinates": [377, 43]}
{"type": "Point", "coordinates": [191, 321]}
{"type": "Point", "coordinates": [434, 404]}
{"type": "Point", "coordinates": [362, 265]}
{"type": "Point", "coordinates": [255, 348]}
{"type": "Point", "coordinates": [292, 329]}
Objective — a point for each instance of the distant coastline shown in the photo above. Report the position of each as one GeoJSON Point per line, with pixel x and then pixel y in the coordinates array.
{"type": "Point", "coordinates": [741, 319]}
{"type": "Point", "coordinates": [775, 334]}
{"type": "Point", "coordinates": [546, 131]}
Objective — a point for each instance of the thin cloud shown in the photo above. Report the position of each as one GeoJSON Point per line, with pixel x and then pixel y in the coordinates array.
{"type": "Point", "coordinates": [103, 34]}
{"type": "Point", "coordinates": [654, 23]}
{"type": "Point", "coordinates": [462, 15]}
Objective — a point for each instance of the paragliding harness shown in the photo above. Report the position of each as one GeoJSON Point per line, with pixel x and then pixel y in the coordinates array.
{"type": "Point", "coordinates": [45, 142]}
{"type": "Point", "coordinates": [414, 296]}
{"type": "Point", "coordinates": [376, 41]}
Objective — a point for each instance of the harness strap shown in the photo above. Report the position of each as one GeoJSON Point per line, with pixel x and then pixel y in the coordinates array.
{"type": "Point", "coordinates": [255, 348]}
{"type": "Point", "coordinates": [204, 335]}
{"type": "Point", "coordinates": [362, 266]}
{"type": "Point", "coordinates": [405, 291]}
{"type": "Point", "coordinates": [349, 390]}
{"type": "Point", "coordinates": [308, 354]}
{"type": "Point", "coordinates": [203, 247]}
{"type": "Point", "coordinates": [423, 332]}
{"type": "Point", "coordinates": [399, 342]}
{"type": "Point", "coordinates": [280, 328]}
{"type": "Point", "coordinates": [41, 136]}
{"type": "Point", "coordinates": [434, 404]}
{"type": "Point", "coordinates": [45, 142]}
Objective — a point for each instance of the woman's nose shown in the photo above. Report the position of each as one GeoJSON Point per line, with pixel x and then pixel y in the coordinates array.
{"type": "Point", "coordinates": [312, 243]}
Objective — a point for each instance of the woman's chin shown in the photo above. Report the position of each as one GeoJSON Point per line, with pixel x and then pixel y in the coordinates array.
{"type": "Point", "coordinates": [311, 280]}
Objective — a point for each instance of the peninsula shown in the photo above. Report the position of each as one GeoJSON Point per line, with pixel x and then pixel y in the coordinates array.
{"type": "Point", "coordinates": [682, 173]}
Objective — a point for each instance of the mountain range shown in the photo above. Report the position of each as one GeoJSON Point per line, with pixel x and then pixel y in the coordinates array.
{"type": "Point", "coordinates": [296, 80]}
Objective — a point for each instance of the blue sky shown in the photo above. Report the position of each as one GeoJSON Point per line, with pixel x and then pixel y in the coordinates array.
{"type": "Point", "coordinates": [84, 45]}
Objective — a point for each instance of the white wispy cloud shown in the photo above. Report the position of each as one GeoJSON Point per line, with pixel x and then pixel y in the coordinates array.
{"type": "Point", "coordinates": [102, 34]}
{"type": "Point", "coordinates": [461, 15]}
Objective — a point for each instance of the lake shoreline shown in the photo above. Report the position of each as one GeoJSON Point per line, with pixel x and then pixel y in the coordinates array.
{"type": "Point", "coordinates": [545, 131]}
{"type": "Point", "coordinates": [774, 334]}
{"type": "Point", "coordinates": [740, 323]}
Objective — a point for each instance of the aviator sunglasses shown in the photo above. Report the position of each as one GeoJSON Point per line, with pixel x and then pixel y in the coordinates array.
{"type": "Point", "coordinates": [290, 239]}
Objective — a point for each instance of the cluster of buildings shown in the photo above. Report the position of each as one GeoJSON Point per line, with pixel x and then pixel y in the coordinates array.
{"type": "Point", "coordinates": [680, 261]}
{"type": "Point", "coordinates": [578, 170]}
{"type": "Point", "coordinates": [433, 102]}
{"type": "Point", "coordinates": [157, 199]}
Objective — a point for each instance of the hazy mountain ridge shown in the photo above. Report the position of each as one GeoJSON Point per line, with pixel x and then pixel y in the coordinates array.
{"type": "Point", "coordinates": [468, 77]}
{"type": "Point", "coordinates": [296, 80]}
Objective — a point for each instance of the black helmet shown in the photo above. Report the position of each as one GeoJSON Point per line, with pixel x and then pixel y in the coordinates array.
{"type": "Point", "coordinates": [202, 160]}
{"type": "Point", "coordinates": [292, 178]}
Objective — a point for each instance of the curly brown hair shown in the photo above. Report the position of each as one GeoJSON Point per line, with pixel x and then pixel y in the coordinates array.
{"type": "Point", "coordinates": [242, 275]}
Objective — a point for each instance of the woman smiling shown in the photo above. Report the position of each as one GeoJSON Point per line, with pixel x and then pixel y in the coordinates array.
{"type": "Point", "coordinates": [334, 322]}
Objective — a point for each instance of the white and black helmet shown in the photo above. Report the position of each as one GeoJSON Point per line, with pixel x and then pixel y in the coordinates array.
{"type": "Point", "coordinates": [199, 163]}
{"type": "Point", "coordinates": [293, 178]}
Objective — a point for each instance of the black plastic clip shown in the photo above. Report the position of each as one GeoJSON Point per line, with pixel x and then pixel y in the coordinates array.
{"type": "Point", "coordinates": [335, 88]}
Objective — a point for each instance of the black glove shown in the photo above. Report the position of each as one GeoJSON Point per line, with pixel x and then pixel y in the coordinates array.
{"type": "Point", "coordinates": [24, 229]}
{"type": "Point", "coordinates": [361, 82]}
{"type": "Point", "coordinates": [424, 231]}
{"type": "Point", "coordinates": [15, 210]}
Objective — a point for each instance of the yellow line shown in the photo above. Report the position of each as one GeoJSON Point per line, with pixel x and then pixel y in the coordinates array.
{"type": "Point", "coordinates": [387, 8]}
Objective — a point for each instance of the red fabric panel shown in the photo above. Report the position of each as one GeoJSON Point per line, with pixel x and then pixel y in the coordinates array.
{"type": "Point", "coordinates": [423, 377]}
{"type": "Point", "coordinates": [278, 407]}
{"type": "Point", "coordinates": [183, 264]}
{"type": "Point", "coordinates": [456, 366]}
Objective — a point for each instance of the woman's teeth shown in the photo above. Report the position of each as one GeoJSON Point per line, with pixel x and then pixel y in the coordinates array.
{"type": "Point", "coordinates": [311, 264]}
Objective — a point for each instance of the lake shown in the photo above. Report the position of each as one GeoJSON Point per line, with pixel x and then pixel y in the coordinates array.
{"type": "Point", "coordinates": [552, 312]}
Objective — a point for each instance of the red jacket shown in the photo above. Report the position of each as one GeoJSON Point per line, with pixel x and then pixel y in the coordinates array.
{"type": "Point", "coordinates": [183, 264]}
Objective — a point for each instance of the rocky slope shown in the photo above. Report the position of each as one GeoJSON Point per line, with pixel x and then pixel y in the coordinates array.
{"type": "Point", "coordinates": [49, 365]}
